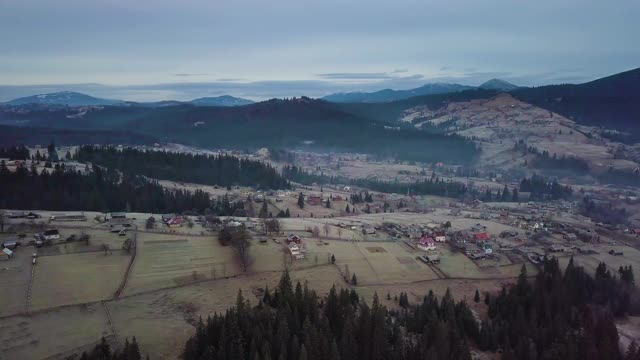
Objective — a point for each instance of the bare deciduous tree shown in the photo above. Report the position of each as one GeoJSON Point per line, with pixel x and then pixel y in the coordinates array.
{"type": "Point", "coordinates": [326, 228]}
{"type": "Point", "coordinates": [239, 240]}
{"type": "Point", "coordinates": [316, 231]}
{"type": "Point", "coordinates": [272, 226]}
{"type": "Point", "coordinates": [339, 232]}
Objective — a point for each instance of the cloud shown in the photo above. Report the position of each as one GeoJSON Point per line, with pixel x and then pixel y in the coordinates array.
{"type": "Point", "coordinates": [488, 74]}
{"type": "Point", "coordinates": [188, 75]}
{"type": "Point", "coordinates": [398, 71]}
{"type": "Point", "coordinates": [445, 68]}
{"type": "Point", "coordinates": [358, 76]}
{"type": "Point", "coordinates": [230, 79]}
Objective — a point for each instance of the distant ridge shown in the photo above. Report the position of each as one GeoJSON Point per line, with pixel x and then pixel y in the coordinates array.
{"type": "Point", "coordinates": [498, 84]}
{"type": "Point", "coordinates": [388, 95]}
{"type": "Point", "coordinates": [224, 100]}
{"type": "Point", "coordinates": [68, 98]}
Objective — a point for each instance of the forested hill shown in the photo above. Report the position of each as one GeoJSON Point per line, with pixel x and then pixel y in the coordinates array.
{"type": "Point", "coordinates": [291, 123]}
{"type": "Point", "coordinates": [222, 170]}
{"type": "Point", "coordinates": [612, 102]}
{"type": "Point", "coordinates": [30, 136]}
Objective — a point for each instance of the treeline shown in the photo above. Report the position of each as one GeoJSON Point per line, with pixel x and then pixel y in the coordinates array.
{"type": "Point", "coordinates": [431, 186]}
{"type": "Point", "coordinates": [505, 195]}
{"type": "Point", "coordinates": [98, 190]}
{"type": "Point", "coordinates": [620, 177]}
{"type": "Point", "coordinates": [560, 316]}
{"type": "Point", "coordinates": [568, 163]}
{"type": "Point", "coordinates": [294, 323]}
{"type": "Point", "coordinates": [540, 189]}
{"type": "Point", "coordinates": [544, 160]}
{"type": "Point", "coordinates": [299, 175]}
{"type": "Point", "coordinates": [603, 212]}
{"type": "Point", "coordinates": [222, 170]}
{"type": "Point", "coordinates": [103, 351]}
{"type": "Point", "coordinates": [14, 152]}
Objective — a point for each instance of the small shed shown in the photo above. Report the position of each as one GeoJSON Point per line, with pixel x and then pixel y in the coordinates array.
{"type": "Point", "coordinates": [118, 215]}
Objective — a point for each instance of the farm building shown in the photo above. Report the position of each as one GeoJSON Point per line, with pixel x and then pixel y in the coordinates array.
{"type": "Point", "coordinates": [118, 215]}
{"type": "Point", "coordinates": [296, 250]}
{"type": "Point", "coordinates": [167, 217]}
{"type": "Point", "coordinates": [6, 254]}
{"type": "Point", "coordinates": [430, 259]}
{"type": "Point", "coordinates": [487, 248]}
{"type": "Point", "coordinates": [23, 215]}
{"type": "Point", "coordinates": [10, 244]}
{"type": "Point", "coordinates": [314, 200]}
{"type": "Point", "coordinates": [368, 230]}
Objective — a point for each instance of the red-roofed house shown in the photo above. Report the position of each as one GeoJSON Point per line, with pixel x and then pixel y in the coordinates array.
{"type": "Point", "coordinates": [483, 236]}
{"type": "Point", "coordinates": [175, 221]}
{"type": "Point", "coordinates": [426, 243]}
{"type": "Point", "coordinates": [315, 200]}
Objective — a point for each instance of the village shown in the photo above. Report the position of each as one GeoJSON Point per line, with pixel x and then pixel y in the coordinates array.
{"type": "Point", "coordinates": [98, 268]}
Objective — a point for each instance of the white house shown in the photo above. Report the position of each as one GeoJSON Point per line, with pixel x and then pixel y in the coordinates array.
{"type": "Point", "coordinates": [51, 235]}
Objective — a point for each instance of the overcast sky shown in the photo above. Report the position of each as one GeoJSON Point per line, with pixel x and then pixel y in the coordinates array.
{"type": "Point", "coordinates": [161, 49]}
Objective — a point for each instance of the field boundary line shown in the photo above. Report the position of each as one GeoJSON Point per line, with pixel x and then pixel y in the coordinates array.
{"type": "Point", "coordinates": [134, 246]}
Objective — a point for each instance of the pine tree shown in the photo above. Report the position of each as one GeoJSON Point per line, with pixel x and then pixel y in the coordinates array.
{"type": "Point", "coordinates": [476, 297]}
{"type": "Point", "coordinates": [301, 201]}
{"type": "Point", "coordinates": [354, 280]}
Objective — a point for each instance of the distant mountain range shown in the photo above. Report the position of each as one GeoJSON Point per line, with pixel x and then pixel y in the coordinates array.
{"type": "Point", "coordinates": [74, 99]}
{"type": "Point", "coordinates": [612, 102]}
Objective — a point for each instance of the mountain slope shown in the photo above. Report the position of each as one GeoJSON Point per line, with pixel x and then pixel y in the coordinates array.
{"type": "Point", "coordinates": [612, 101]}
{"type": "Point", "coordinates": [388, 95]}
{"type": "Point", "coordinates": [497, 84]}
{"type": "Point", "coordinates": [67, 98]}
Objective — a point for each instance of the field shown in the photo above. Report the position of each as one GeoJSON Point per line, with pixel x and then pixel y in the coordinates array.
{"type": "Point", "coordinates": [92, 277]}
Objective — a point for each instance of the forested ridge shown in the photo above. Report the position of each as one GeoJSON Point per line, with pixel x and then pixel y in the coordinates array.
{"type": "Point", "coordinates": [98, 190]}
{"type": "Point", "coordinates": [223, 170]}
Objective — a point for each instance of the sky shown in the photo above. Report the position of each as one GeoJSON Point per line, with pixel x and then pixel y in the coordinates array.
{"type": "Point", "coordinates": [146, 50]}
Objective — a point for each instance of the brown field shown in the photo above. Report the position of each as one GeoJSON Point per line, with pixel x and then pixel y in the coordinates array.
{"type": "Point", "coordinates": [15, 275]}
{"type": "Point", "coordinates": [77, 278]}
{"type": "Point", "coordinates": [53, 334]}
